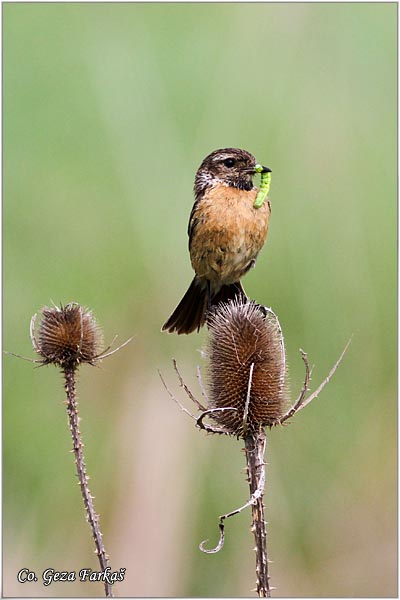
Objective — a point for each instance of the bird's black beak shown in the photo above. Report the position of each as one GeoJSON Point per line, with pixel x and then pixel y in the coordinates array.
{"type": "Point", "coordinates": [261, 169]}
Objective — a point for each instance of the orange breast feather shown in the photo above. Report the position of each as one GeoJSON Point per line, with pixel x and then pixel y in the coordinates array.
{"type": "Point", "coordinates": [228, 233]}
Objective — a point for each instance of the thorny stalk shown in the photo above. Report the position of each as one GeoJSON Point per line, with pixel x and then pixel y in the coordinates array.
{"type": "Point", "coordinates": [255, 448]}
{"type": "Point", "coordinates": [91, 515]}
{"type": "Point", "coordinates": [255, 443]}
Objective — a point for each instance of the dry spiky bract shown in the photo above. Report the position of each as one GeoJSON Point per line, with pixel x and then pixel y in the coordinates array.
{"type": "Point", "coordinates": [68, 336]}
{"type": "Point", "coordinates": [247, 367]}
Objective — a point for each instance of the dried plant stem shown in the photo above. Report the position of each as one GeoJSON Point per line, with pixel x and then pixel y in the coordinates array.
{"type": "Point", "coordinates": [92, 517]}
{"type": "Point", "coordinates": [255, 448]}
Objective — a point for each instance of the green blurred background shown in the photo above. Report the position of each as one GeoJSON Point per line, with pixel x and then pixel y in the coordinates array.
{"type": "Point", "coordinates": [108, 111]}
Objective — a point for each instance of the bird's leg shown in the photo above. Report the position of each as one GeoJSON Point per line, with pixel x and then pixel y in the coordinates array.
{"type": "Point", "coordinates": [208, 295]}
{"type": "Point", "coordinates": [208, 310]}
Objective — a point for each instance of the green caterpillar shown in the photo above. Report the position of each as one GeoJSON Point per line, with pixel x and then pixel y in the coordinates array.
{"type": "Point", "coordinates": [264, 186]}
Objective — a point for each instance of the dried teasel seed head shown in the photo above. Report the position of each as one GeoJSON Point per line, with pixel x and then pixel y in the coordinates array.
{"type": "Point", "coordinates": [246, 367]}
{"type": "Point", "coordinates": [68, 335]}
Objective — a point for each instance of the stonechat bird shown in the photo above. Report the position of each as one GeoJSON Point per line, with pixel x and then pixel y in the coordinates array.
{"type": "Point", "coordinates": [226, 233]}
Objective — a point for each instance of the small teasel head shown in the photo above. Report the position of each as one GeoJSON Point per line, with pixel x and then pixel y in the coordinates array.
{"type": "Point", "coordinates": [246, 367]}
{"type": "Point", "coordinates": [67, 336]}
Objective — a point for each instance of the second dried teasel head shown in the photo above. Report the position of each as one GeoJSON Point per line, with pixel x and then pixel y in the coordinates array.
{"type": "Point", "coordinates": [67, 336]}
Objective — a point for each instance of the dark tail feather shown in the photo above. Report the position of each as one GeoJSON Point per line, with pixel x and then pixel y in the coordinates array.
{"type": "Point", "coordinates": [190, 314]}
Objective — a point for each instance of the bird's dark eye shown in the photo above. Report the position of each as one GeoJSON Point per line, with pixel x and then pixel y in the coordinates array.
{"type": "Point", "coordinates": [229, 162]}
